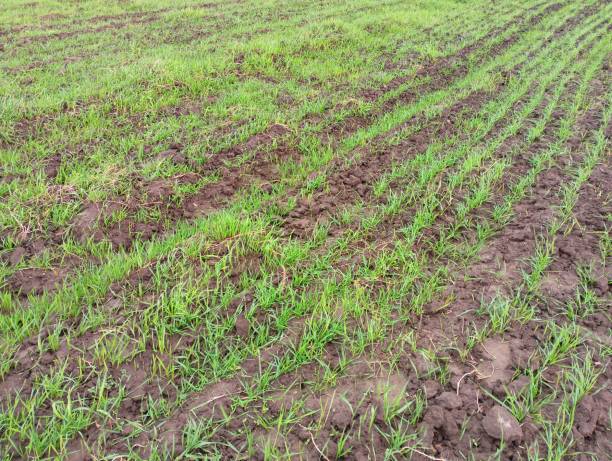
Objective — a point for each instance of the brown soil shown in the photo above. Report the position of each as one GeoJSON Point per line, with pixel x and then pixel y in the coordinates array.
{"type": "Point", "coordinates": [35, 281]}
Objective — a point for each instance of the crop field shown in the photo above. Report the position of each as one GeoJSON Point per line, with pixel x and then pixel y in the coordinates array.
{"type": "Point", "coordinates": [305, 229]}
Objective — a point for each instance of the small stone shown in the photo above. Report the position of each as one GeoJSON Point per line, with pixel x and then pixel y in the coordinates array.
{"type": "Point", "coordinates": [22, 355]}
{"type": "Point", "coordinates": [127, 430]}
{"type": "Point", "coordinates": [179, 158]}
{"type": "Point", "coordinates": [500, 424]}
{"type": "Point", "coordinates": [302, 433]}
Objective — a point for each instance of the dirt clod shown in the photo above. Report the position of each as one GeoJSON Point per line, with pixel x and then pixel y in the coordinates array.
{"type": "Point", "coordinates": [449, 400]}
{"type": "Point", "coordinates": [501, 425]}
{"type": "Point", "coordinates": [16, 256]}
{"type": "Point", "coordinates": [242, 327]}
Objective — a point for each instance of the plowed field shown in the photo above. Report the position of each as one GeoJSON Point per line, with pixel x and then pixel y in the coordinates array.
{"type": "Point", "coordinates": [302, 229]}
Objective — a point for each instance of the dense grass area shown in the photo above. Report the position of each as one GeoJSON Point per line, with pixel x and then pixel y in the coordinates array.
{"type": "Point", "coordinates": [305, 229]}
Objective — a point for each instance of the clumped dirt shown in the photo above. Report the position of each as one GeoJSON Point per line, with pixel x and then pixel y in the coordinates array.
{"type": "Point", "coordinates": [347, 184]}
{"type": "Point", "coordinates": [35, 281]}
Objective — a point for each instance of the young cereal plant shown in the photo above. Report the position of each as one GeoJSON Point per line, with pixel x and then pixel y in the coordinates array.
{"type": "Point", "coordinates": [394, 403]}
{"type": "Point", "coordinates": [577, 381]}
{"type": "Point", "coordinates": [499, 310]}
{"type": "Point", "coordinates": [477, 336]}
{"type": "Point", "coordinates": [605, 246]}
{"type": "Point", "coordinates": [399, 438]}
{"type": "Point", "coordinates": [539, 263]}
{"type": "Point", "coordinates": [585, 302]}
{"type": "Point", "coordinates": [582, 376]}
{"type": "Point", "coordinates": [417, 407]}
{"type": "Point", "coordinates": [561, 341]}
{"type": "Point", "coordinates": [529, 400]}
{"type": "Point", "coordinates": [343, 449]}
{"type": "Point", "coordinates": [197, 442]}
